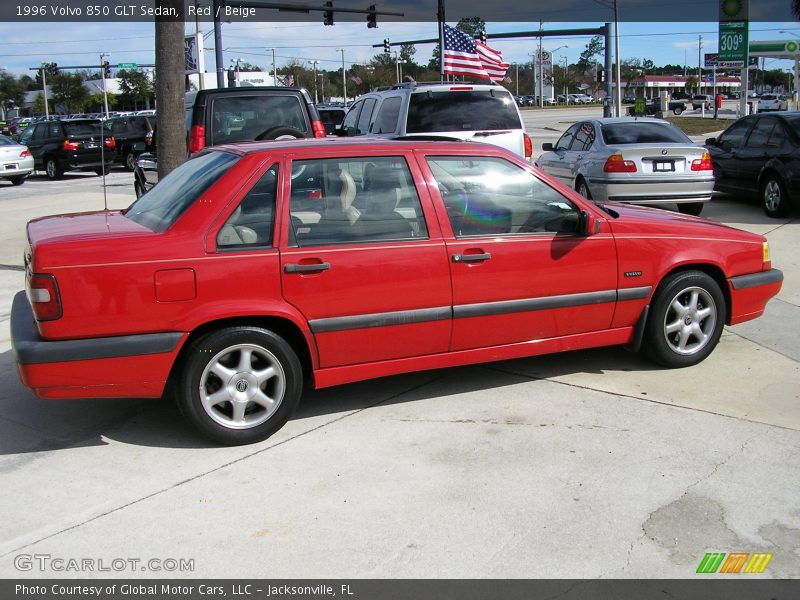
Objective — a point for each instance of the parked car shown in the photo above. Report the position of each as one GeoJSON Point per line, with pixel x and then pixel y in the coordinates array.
{"type": "Point", "coordinates": [16, 162]}
{"type": "Point", "coordinates": [578, 99]}
{"type": "Point", "coordinates": [478, 112]}
{"type": "Point", "coordinates": [461, 253]}
{"type": "Point", "coordinates": [772, 102]}
{"type": "Point", "coordinates": [680, 96]}
{"type": "Point", "coordinates": [701, 101]}
{"type": "Point", "coordinates": [530, 100]}
{"type": "Point", "coordinates": [676, 107]}
{"type": "Point", "coordinates": [332, 117]}
{"type": "Point", "coordinates": [69, 145]}
{"type": "Point", "coordinates": [759, 155]}
{"type": "Point", "coordinates": [731, 95]}
{"type": "Point", "coordinates": [639, 161]}
{"type": "Point", "coordinates": [628, 99]}
{"type": "Point", "coordinates": [129, 135]}
{"type": "Point", "coordinates": [550, 101]}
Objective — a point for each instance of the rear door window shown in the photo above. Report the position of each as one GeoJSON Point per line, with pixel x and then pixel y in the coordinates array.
{"type": "Point", "coordinates": [584, 137]}
{"type": "Point", "coordinates": [760, 133]}
{"type": "Point", "coordinates": [238, 118]}
{"type": "Point", "coordinates": [475, 110]}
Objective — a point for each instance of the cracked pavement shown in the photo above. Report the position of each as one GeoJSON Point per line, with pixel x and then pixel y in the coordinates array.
{"type": "Point", "coordinates": [576, 465]}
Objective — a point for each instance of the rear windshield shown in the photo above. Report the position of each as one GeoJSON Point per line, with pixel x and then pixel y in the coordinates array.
{"type": "Point", "coordinates": [239, 118]}
{"type": "Point", "coordinates": [461, 111]}
{"type": "Point", "coordinates": [640, 132]}
{"type": "Point", "coordinates": [4, 141]}
{"type": "Point", "coordinates": [82, 128]}
{"type": "Point", "coordinates": [163, 204]}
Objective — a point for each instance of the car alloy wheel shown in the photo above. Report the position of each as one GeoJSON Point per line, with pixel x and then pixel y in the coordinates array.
{"type": "Point", "coordinates": [686, 319]}
{"type": "Point", "coordinates": [773, 198]}
{"type": "Point", "coordinates": [130, 161]}
{"type": "Point", "coordinates": [51, 169]}
{"type": "Point", "coordinates": [583, 189]}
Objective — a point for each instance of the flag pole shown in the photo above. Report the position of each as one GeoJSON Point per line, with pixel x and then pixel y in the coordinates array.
{"type": "Point", "coordinates": [440, 16]}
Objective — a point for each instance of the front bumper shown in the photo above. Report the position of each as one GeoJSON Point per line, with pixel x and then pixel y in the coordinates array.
{"type": "Point", "coordinates": [109, 367]}
{"type": "Point", "coordinates": [750, 294]}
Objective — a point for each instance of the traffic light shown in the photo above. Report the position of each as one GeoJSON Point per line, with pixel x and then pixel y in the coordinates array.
{"type": "Point", "coordinates": [601, 76]}
{"type": "Point", "coordinates": [106, 69]}
{"type": "Point", "coordinates": [327, 16]}
{"type": "Point", "coordinates": [372, 20]}
{"type": "Point", "coordinates": [482, 36]}
{"type": "Point", "coordinates": [386, 45]}
{"type": "Point", "coordinates": [231, 78]}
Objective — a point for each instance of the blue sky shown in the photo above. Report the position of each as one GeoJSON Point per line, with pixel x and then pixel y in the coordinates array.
{"type": "Point", "coordinates": [27, 45]}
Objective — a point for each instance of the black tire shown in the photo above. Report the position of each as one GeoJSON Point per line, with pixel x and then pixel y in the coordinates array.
{"type": "Point", "coordinates": [677, 111]}
{"type": "Point", "coordinates": [52, 170]}
{"type": "Point", "coordinates": [18, 180]}
{"type": "Point", "coordinates": [583, 188]}
{"type": "Point", "coordinates": [137, 189]}
{"type": "Point", "coordinates": [691, 208]}
{"type": "Point", "coordinates": [676, 339]}
{"type": "Point", "coordinates": [774, 199]}
{"type": "Point", "coordinates": [130, 160]}
{"type": "Point", "coordinates": [225, 348]}
{"type": "Point", "coordinates": [100, 170]}
{"type": "Point", "coordinates": [281, 133]}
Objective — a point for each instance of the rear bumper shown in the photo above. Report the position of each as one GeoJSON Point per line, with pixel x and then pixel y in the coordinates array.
{"type": "Point", "coordinates": [119, 366]}
{"type": "Point", "coordinates": [653, 190]}
{"type": "Point", "coordinates": [750, 294]}
{"type": "Point", "coordinates": [16, 168]}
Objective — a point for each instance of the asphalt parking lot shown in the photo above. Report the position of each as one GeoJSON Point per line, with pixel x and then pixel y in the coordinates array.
{"type": "Point", "coordinates": [577, 465]}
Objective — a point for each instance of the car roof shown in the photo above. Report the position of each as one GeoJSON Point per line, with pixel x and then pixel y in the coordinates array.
{"type": "Point", "coordinates": [359, 143]}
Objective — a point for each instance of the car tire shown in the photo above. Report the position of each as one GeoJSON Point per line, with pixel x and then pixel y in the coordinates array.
{"type": "Point", "coordinates": [18, 180]}
{"type": "Point", "coordinates": [583, 188]}
{"type": "Point", "coordinates": [774, 199]}
{"type": "Point", "coordinates": [691, 208]}
{"type": "Point", "coordinates": [52, 170]}
{"type": "Point", "coordinates": [686, 319]}
{"type": "Point", "coordinates": [263, 387]}
{"type": "Point", "coordinates": [130, 161]}
{"type": "Point", "coordinates": [137, 189]}
{"type": "Point", "coordinates": [101, 170]}
{"type": "Point", "coordinates": [677, 111]}
{"type": "Point", "coordinates": [281, 133]}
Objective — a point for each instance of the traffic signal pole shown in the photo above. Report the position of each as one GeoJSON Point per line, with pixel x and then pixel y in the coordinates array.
{"type": "Point", "coordinates": [44, 90]}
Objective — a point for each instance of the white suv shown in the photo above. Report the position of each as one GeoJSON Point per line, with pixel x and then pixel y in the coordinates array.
{"type": "Point", "coordinates": [477, 112]}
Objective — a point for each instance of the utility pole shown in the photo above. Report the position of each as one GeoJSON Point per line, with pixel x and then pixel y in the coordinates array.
{"type": "Point", "coordinates": [274, 70]}
{"type": "Point", "coordinates": [619, 70]}
{"type": "Point", "coordinates": [699, 71]}
{"type": "Point", "coordinates": [517, 78]}
{"type": "Point", "coordinates": [344, 78]}
{"type": "Point", "coordinates": [533, 69]}
{"type": "Point", "coordinates": [314, 63]}
{"type": "Point", "coordinates": [541, 69]}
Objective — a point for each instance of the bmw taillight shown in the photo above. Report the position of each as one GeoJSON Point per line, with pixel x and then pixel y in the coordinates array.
{"type": "Point", "coordinates": [528, 145]}
{"type": "Point", "coordinates": [703, 163]}
{"type": "Point", "coordinates": [44, 297]}
{"type": "Point", "coordinates": [197, 138]}
{"type": "Point", "coordinates": [25, 153]}
{"type": "Point", "coordinates": [318, 128]}
{"type": "Point", "coordinates": [617, 164]}
{"type": "Point", "coordinates": [110, 142]}
{"type": "Point", "coordinates": [70, 145]}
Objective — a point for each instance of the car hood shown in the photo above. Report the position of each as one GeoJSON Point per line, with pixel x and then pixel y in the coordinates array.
{"type": "Point", "coordinates": [633, 219]}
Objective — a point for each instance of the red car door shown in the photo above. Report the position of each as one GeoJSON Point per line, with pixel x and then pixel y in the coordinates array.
{"type": "Point", "coordinates": [520, 270]}
{"type": "Point", "coordinates": [362, 258]}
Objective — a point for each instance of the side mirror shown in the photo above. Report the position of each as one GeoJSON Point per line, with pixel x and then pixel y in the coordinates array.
{"type": "Point", "coordinates": [712, 141]}
{"type": "Point", "coordinates": [340, 131]}
{"type": "Point", "coordinates": [588, 224]}
{"type": "Point", "coordinates": [547, 147]}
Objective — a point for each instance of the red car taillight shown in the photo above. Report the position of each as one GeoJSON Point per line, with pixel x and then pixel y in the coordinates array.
{"type": "Point", "coordinates": [528, 145]}
{"type": "Point", "coordinates": [617, 164]}
{"type": "Point", "coordinates": [69, 145]}
{"type": "Point", "coordinates": [197, 139]}
{"type": "Point", "coordinates": [318, 128]}
{"type": "Point", "coordinates": [25, 153]}
{"type": "Point", "coordinates": [44, 297]}
{"type": "Point", "coordinates": [110, 142]}
{"type": "Point", "coordinates": [703, 163]}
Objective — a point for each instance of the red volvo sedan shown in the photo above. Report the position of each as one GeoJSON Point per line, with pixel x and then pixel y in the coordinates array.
{"type": "Point", "coordinates": [257, 266]}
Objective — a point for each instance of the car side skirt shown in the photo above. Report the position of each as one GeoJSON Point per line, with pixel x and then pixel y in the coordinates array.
{"type": "Point", "coordinates": [349, 373]}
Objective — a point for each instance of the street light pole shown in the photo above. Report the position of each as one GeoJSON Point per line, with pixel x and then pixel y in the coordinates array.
{"type": "Point", "coordinates": [618, 77]}
{"type": "Point", "coordinates": [314, 63]}
{"type": "Point", "coordinates": [566, 78]}
{"type": "Point", "coordinates": [344, 78]}
{"type": "Point", "coordinates": [322, 79]}
{"type": "Point", "coordinates": [44, 90]}
{"type": "Point", "coordinates": [103, 56]}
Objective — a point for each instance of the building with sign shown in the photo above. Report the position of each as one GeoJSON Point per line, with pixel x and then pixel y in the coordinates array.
{"type": "Point", "coordinates": [651, 86]}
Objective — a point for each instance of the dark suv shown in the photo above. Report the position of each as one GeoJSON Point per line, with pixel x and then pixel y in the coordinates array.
{"type": "Point", "coordinates": [69, 145]}
{"type": "Point", "coordinates": [129, 134]}
{"type": "Point", "coordinates": [222, 116]}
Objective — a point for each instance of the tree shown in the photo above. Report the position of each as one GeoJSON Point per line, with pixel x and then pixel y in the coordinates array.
{"type": "Point", "coordinates": [593, 48]}
{"type": "Point", "coordinates": [691, 82]}
{"type": "Point", "coordinates": [135, 87]}
{"type": "Point", "coordinates": [69, 91]}
{"type": "Point", "coordinates": [12, 92]}
{"type": "Point", "coordinates": [648, 65]}
{"type": "Point", "coordinates": [407, 52]}
{"type": "Point", "coordinates": [170, 90]}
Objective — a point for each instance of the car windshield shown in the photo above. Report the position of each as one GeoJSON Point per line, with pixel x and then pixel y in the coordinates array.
{"type": "Point", "coordinates": [768, 97]}
{"type": "Point", "coordinates": [641, 132]}
{"type": "Point", "coordinates": [163, 204]}
{"type": "Point", "coordinates": [461, 111]}
{"type": "Point", "coordinates": [74, 128]}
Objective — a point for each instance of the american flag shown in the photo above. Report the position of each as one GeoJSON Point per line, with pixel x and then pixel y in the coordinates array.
{"type": "Point", "coordinates": [356, 79]}
{"type": "Point", "coordinates": [465, 56]}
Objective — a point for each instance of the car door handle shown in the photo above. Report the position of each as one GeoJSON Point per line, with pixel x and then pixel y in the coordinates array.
{"type": "Point", "coordinates": [312, 268]}
{"type": "Point", "coordinates": [458, 258]}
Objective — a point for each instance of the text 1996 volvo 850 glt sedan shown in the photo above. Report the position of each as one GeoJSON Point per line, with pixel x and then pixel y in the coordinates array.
{"type": "Point", "coordinates": [254, 265]}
